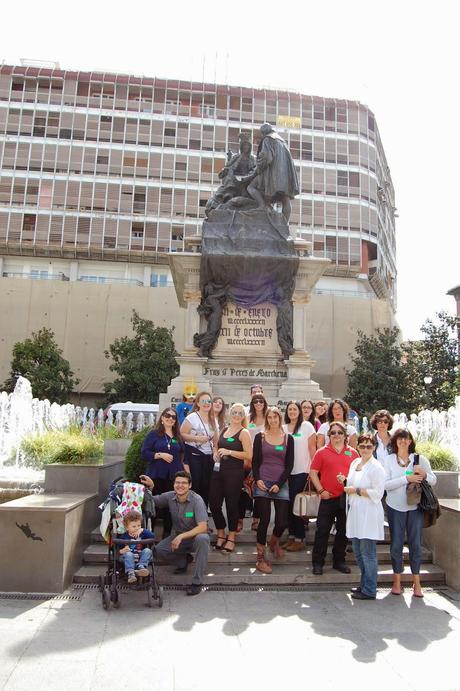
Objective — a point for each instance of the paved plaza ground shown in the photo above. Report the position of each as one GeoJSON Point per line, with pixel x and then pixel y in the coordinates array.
{"type": "Point", "coordinates": [235, 641]}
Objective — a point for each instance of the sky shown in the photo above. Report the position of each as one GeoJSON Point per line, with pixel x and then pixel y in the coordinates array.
{"type": "Point", "coordinates": [400, 58]}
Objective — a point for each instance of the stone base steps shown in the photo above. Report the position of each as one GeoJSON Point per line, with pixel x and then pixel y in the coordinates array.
{"type": "Point", "coordinates": [238, 568]}
{"type": "Point", "coordinates": [283, 575]}
{"type": "Point", "coordinates": [245, 553]}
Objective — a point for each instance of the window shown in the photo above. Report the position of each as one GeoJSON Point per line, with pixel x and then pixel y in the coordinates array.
{"type": "Point", "coordinates": [137, 230]}
{"type": "Point", "coordinates": [170, 131]}
{"type": "Point", "coordinates": [180, 165]}
{"type": "Point", "coordinates": [17, 85]}
{"type": "Point", "coordinates": [29, 221]}
{"type": "Point", "coordinates": [158, 280]}
{"type": "Point", "coordinates": [102, 160]}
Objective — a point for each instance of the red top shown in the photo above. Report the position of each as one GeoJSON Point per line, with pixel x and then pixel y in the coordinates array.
{"type": "Point", "coordinates": [329, 463]}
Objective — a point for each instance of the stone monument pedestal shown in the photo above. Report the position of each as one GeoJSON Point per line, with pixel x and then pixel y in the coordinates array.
{"type": "Point", "coordinates": [247, 350]}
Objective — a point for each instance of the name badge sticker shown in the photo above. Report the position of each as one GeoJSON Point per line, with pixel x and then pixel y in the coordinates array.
{"type": "Point", "coordinates": [174, 441]}
{"type": "Point", "coordinates": [347, 453]}
{"type": "Point", "coordinates": [252, 425]}
{"type": "Point", "coordinates": [297, 434]}
{"type": "Point", "coordinates": [189, 514]}
{"type": "Point", "coordinates": [279, 448]}
{"type": "Point", "coordinates": [230, 439]}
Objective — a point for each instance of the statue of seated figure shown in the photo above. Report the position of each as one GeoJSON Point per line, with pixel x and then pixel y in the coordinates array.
{"type": "Point", "coordinates": [237, 173]}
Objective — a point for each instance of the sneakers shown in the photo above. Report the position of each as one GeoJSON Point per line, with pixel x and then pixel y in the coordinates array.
{"type": "Point", "coordinates": [132, 577]}
{"type": "Point", "coordinates": [142, 571]}
{"type": "Point", "coordinates": [317, 570]}
{"type": "Point", "coordinates": [359, 595]}
{"type": "Point", "coordinates": [193, 589]}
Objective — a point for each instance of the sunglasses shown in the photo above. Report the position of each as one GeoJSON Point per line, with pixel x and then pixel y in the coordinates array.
{"type": "Point", "coordinates": [258, 400]}
{"type": "Point", "coordinates": [387, 422]}
{"type": "Point", "coordinates": [204, 401]}
{"type": "Point", "coordinates": [334, 432]}
{"type": "Point", "coordinates": [365, 446]}
{"type": "Point", "coordinates": [237, 412]}
{"type": "Point", "coordinates": [171, 416]}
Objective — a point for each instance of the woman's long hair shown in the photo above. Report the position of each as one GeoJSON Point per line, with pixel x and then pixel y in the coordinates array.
{"type": "Point", "coordinates": [196, 408]}
{"type": "Point", "coordinates": [312, 417]}
{"type": "Point", "coordinates": [252, 410]}
{"type": "Point", "coordinates": [160, 428]}
{"type": "Point", "coordinates": [220, 419]}
{"type": "Point", "coordinates": [299, 419]}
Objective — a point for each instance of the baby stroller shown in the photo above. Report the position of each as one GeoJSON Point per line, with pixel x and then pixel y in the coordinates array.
{"type": "Point", "coordinates": [110, 582]}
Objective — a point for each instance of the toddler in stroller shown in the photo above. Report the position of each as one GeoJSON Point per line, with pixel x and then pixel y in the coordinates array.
{"type": "Point", "coordinates": [126, 519]}
{"type": "Point", "coordinates": [135, 557]}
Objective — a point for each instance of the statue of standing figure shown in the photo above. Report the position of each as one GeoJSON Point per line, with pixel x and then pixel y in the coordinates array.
{"type": "Point", "coordinates": [276, 179]}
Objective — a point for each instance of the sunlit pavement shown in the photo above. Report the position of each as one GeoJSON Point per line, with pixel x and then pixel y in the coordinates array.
{"type": "Point", "coordinates": [232, 640]}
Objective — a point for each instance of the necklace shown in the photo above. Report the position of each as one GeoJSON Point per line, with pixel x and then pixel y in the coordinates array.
{"type": "Point", "coordinates": [402, 462]}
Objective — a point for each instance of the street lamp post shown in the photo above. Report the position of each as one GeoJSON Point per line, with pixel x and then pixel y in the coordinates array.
{"type": "Point", "coordinates": [427, 381]}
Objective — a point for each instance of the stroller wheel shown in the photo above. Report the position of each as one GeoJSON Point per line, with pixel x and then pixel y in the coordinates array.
{"type": "Point", "coordinates": [106, 598]}
{"type": "Point", "coordinates": [149, 596]}
{"type": "Point", "coordinates": [160, 596]}
{"type": "Point", "coordinates": [115, 598]}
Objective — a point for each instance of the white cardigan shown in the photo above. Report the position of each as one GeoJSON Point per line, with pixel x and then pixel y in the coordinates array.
{"type": "Point", "coordinates": [396, 481]}
{"type": "Point", "coordinates": [365, 514]}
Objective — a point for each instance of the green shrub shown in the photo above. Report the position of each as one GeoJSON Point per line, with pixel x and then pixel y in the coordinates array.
{"type": "Point", "coordinates": [439, 457]}
{"type": "Point", "coordinates": [134, 464]}
{"type": "Point", "coordinates": [72, 446]}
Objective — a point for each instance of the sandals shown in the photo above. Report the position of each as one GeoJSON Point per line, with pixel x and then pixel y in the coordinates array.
{"type": "Point", "coordinates": [226, 549]}
{"type": "Point", "coordinates": [240, 526]}
{"type": "Point", "coordinates": [224, 540]}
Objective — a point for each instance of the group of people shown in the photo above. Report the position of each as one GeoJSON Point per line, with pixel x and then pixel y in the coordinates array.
{"type": "Point", "coordinates": [252, 457]}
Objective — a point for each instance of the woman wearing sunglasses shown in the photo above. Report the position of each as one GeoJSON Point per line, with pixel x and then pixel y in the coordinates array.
{"type": "Point", "coordinates": [364, 490]}
{"type": "Point", "coordinates": [382, 422]}
{"type": "Point", "coordinates": [234, 452]}
{"type": "Point", "coordinates": [163, 451]}
{"type": "Point", "coordinates": [199, 434]}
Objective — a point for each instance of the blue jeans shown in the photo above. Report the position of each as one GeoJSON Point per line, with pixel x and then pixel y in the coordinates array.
{"type": "Point", "coordinates": [129, 559]}
{"type": "Point", "coordinates": [401, 522]}
{"type": "Point", "coordinates": [366, 557]}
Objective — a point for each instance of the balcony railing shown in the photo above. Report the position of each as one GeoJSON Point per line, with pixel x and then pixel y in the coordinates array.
{"type": "Point", "coordinates": [35, 276]}
{"type": "Point", "coordinates": [110, 279]}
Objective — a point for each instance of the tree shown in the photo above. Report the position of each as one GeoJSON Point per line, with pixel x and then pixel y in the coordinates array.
{"type": "Point", "coordinates": [145, 363]}
{"type": "Point", "coordinates": [377, 378]}
{"type": "Point", "coordinates": [40, 360]}
{"type": "Point", "coordinates": [435, 356]}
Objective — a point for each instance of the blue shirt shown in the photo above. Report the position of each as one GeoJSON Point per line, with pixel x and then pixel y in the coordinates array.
{"type": "Point", "coordinates": [157, 467]}
{"type": "Point", "coordinates": [182, 410]}
{"type": "Point", "coordinates": [145, 535]}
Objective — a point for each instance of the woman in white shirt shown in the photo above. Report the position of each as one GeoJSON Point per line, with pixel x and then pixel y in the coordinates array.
{"type": "Point", "coordinates": [364, 490]}
{"type": "Point", "coordinates": [336, 412]}
{"type": "Point", "coordinates": [304, 436]}
{"type": "Point", "coordinates": [402, 467]}
{"type": "Point", "coordinates": [199, 434]}
{"type": "Point", "coordinates": [382, 422]}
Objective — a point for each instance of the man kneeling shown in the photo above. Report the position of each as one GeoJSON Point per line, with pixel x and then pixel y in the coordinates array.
{"type": "Point", "coordinates": [189, 528]}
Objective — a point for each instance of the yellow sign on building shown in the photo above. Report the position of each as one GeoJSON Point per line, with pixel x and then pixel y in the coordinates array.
{"type": "Point", "coordinates": [291, 121]}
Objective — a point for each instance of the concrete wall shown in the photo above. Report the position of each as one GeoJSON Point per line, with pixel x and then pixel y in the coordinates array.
{"type": "Point", "coordinates": [86, 318]}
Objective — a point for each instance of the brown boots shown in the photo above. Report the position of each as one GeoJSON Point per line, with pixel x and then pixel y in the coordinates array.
{"type": "Point", "coordinates": [275, 547]}
{"type": "Point", "coordinates": [262, 564]}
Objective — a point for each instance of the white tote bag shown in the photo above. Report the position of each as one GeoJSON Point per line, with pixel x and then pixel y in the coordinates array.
{"type": "Point", "coordinates": [306, 503]}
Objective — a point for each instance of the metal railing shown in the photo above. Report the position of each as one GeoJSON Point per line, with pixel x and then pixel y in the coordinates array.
{"type": "Point", "coordinates": [110, 279]}
{"type": "Point", "coordinates": [35, 276]}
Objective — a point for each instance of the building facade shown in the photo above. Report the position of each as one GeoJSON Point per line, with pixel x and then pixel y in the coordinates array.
{"type": "Point", "coordinates": [102, 175]}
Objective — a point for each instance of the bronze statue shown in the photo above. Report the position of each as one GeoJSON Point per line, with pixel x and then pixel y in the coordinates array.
{"type": "Point", "coordinates": [235, 175]}
{"type": "Point", "coordinates": [276, 179]}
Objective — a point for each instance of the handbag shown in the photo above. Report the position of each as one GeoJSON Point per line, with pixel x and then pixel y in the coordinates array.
{"type": "Point", "coordinates": [413, 489]}
{"type": "Point", "coordinates": [306, 503]}
{"type": "Point", "coordinates": [429, 505]}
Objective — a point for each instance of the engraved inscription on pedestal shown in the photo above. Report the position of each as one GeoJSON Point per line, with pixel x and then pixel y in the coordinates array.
{"type": "Point", "coordinates": [249, 331]}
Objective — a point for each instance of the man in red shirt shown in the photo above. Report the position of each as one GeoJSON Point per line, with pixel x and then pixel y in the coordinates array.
{"type": "Point", "coordinates": [328, 462]}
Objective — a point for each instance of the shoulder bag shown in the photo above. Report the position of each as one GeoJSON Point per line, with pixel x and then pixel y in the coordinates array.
{"type": "Point", "coordinates": [306, 503]}
{"type": "Point", "coordinates": [414, 489]}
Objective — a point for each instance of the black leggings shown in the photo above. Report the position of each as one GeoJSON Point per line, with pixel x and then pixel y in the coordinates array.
{"type": "Point", "coordinates": [226, 484]}
{"type": "Point", "coordinates": [264, 506]}
{"type": "Point", "coordinates": [201, 468]}
{"type": "Point", "coordinates": [163, 485]}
